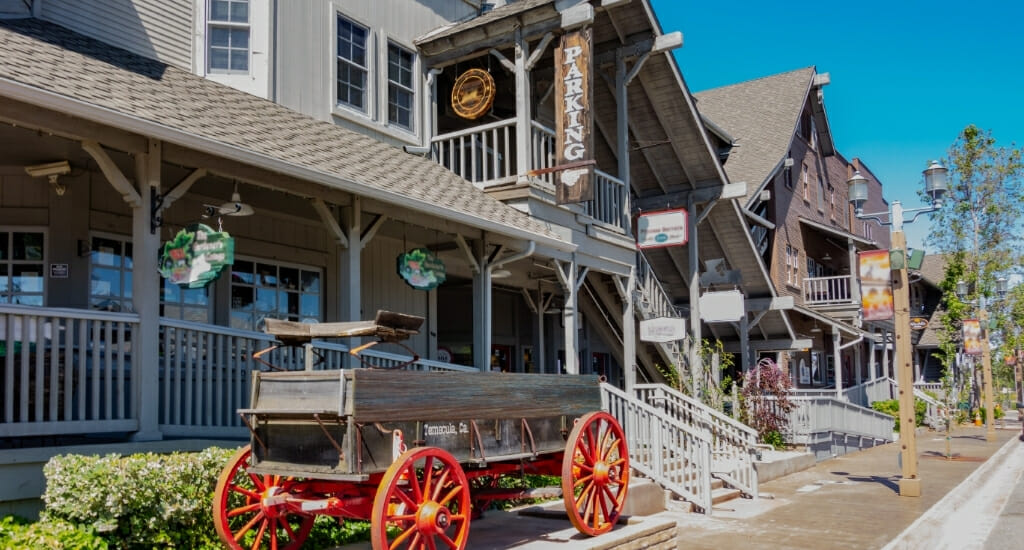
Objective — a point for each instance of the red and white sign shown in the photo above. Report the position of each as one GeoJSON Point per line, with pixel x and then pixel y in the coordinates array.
{"type": "Point", "coordinates": [662, 228]}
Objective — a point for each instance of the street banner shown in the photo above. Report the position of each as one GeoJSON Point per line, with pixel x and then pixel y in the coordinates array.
{"type": "Point", "coordinates": [574, 118]}
{"type": "Point", "coordinates": [875, 286]}
{"type": "Point", "coordinates": [972, 337]}
{"type": "Point", "coordinates": [661, 228]}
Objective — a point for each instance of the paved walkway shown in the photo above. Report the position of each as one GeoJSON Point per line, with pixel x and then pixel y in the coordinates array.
{"type": "Point", "coordinates": [848, 502]}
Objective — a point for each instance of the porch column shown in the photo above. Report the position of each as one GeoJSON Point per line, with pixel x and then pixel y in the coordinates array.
{"type": "Point", "coordinates": [872, 368]}
{"type": "Point", "coordinates": [854, 287]}
{"type": "Point", "coordinates": [523, 131]}
{"type": "Point", "coordinates": [350, 269]}
{"type": "Point", "coordinates": [146, 297]}
{"type": "Point", "coordinates": [857, 364]}
{"type": "Point", "coordinates": [625, 286]}
{"type": "Point", "coordinates": [481, 309]}
{"type": "Point", "coordinates": [837, 362]}
{"type": "Point", "coordinates": [571, 278]}
{"type": "Point", "coordinates": [693, 354]}
{"type": "Point", "coordinates": [744, 344]}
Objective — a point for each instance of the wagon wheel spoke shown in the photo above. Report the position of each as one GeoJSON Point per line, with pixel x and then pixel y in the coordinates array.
{"type": "Point", "coordinates": [451, 494]}
{"type": "Point", "coordinates": [245, 528]}
{"type": "Point", "coordinates": [447, 541]}
{"type": "Point", "coordinates": [411, 531]}
{"type": "Point", "coordinates": [595, 472]}
{"type": "Point", "coordinates": [244, 510]}
{"type": "Point", "coordinates": [440, 485]}
{"type": "Point", "coordinates": [259, 535]}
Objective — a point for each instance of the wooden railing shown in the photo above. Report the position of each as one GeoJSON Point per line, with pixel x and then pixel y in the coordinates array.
{"type": "Point", "coordinates": [66, 371]}
{"type": "Point", "coordinates": [734, 444]}
{"type": "Point", "coordinates": [672, 453]}
{"type": "Point", "coordinates": [815, 416]}
{"type": "Point", "coordinates": [827, 290]}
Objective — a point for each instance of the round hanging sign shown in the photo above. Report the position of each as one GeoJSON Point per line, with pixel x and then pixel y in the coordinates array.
{"type": "Point", "coordinates": [473, 93]}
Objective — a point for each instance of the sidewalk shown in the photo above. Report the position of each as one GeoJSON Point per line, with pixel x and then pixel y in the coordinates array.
{"type": "Point", "coordinates": [848, 502]}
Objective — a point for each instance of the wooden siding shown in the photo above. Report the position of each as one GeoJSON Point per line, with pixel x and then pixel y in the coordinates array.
{"type": "Point", "coordinates": [384, 289]}
{"type": "Point", "coordinates": [158, 29]}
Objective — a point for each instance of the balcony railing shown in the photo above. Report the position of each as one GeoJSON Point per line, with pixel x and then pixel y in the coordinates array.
{"type": "Point", "coordinates": [821, 291]}
{"type": "Point", "coordinates": [486, 156]}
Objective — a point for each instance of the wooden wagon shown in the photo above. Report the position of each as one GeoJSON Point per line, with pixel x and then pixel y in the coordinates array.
{"type": "Point", "coordinates": [419, 454]}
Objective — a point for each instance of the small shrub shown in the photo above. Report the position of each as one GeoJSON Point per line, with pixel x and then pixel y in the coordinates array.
{"type": "Point", "coordinates": [55, 535]}
{"type": "Point", "coordinates": [775, 439]}
{"type": "Point", "coordinates": [892, 408]}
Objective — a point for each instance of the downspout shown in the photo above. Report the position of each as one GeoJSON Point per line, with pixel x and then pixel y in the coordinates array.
{"type": "Point", "coordinates": [530, 247]}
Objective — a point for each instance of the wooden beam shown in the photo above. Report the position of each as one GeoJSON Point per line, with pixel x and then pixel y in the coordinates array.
{"type": "Point", "coordinates": [779, 344]}
{"type": "Point", "coordinates": [113, 173]}
{"type": "Point", "coordinates": [182, 187]}
{"type": "Point", "coordinates": [66, 126]}
{"type": "Point", "coordinates": [700, 195]}
{"type": "Point", "coordinates": [371, 230]}
{"type": "Point", "coordinates": [769, 304]}
{"type": "Point", "coordinates": [332, 224]}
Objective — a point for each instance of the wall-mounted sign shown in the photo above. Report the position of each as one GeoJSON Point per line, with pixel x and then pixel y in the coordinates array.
{"type": "Point", "coordinates": [473, 94]}
{"type": "Point", "coordinates": [663, 329]}
{"type": "Point", "coordinates": [421, 269]}
{"type": "Point", "coordinates": [661, 228]}
{"type": "Point", "coordinates": [875, 287]}
{"type": "Point", "coordinates": [59, 271]}
{"type": "Point", "coordinates": [972, 337]}
{"type": "Point", "coordinates": [196, 256]}
{"type": "Point", "coordinates": [444, 354]}
{"type": "Point", "coordinates": [573, 118]}
{"type": "Point", "coordinates": [918, 323]}
{"type": "Point", "coordinates": [721, 307]}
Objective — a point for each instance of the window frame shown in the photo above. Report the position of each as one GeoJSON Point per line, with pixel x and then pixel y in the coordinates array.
{"type": "Point", "coordinates": [806, 177]}
{"type": "Point", "coordinates": [412, 89]}
{"type": "Point", "coordinates": [253, 313]}
{"type": "Point", "coordinates": [123, 268]}
{"type": "Point", "coordinates": [11, 262]}
{"type": "Point", "coordinates": [370, 47]}
{"type": "Point", "coordinates": [231, 25]}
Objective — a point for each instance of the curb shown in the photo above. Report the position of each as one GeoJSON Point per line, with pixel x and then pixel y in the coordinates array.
{"type": "Point", "coordinates": [957, 496]}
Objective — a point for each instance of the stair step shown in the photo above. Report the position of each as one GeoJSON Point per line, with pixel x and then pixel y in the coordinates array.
{"type": "Point", "coordinates": [717, 484]}
{"type": "Point", "coordinates": [719, 496]}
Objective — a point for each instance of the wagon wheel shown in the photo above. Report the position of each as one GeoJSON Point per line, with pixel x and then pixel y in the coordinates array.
{"type": "Point", "coordinates": [595, 473]}
{"type": "Point", "coordinates": [422, 502]}
{"type": "Point", "coordinates": [241, 512]}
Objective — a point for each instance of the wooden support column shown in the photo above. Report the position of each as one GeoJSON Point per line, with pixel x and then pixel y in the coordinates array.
{"type": "Point", "coordinates": [482, 312]}
{"type": "Point", "coordinates": [910, 483]}
{"type": "Point", "coordinates": [837, 363]}
{"type": "Point", "coordinates": [872, 367]}
{"type": "Point", "coordinates": [886, 372]}
{"type": "Point", "coordinates": [857, 364]}
{"type": "Point", "coordinates": [744, 343]}
{"type": "Point", "coordinates": [350, 270]}
{"type": "Point", "coordinates": [523, 131]}
{"type": "Point", "coordinates": [694, 287]}
{"type": "Point", "coordinates": [571, 278]}
{"type": "Point", "coordinates": [146, 297]}
{"type": "Point", "coordinates": [625, 286]}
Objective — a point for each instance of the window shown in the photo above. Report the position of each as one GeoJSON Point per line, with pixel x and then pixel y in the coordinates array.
{"type": "Point", "coordinates": [187, 304]}
{"type": "Point", "coordinates": [832, 200]}
{"type": "Point", "coordinates": [813, 138]}
{"type": "Point", "coordinates": [262, 289]}
{"type": "Point", "coordinates": [22, 259]}
{"type": "Point", "coordinates": [867, 231]}
{"type": "Point", "coordinates": [792, 265]}
{"type": "Point", "coordinates": [353, 66]}
{"type": "Point", "coordinates": [110, 274]}
{"type": "Point", "coordinates": [821, 195]}
{"type": "Point", "coordinates": [228, 36]}
{"type": "Point", "coordinates": [401, 94]}
{"type": "Point", "coordinates": [807, 184]}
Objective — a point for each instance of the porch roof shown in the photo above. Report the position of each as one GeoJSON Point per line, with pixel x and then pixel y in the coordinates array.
{"type": "Point", "coordinates": [844, 328]}
{"type": "Point", "coordinates": [51, 67]}
{"type": "Point", "coordinates": [837, 232]}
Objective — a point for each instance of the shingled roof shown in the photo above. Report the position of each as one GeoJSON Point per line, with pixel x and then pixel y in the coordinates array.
{"type": "Point", "coordinates": [762, 116]}
{"type": "Point", "coordinates": [43, 64]}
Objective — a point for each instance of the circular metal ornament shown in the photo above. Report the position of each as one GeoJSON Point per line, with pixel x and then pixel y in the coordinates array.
{"type": "Point", "coordinates": [473, 94]}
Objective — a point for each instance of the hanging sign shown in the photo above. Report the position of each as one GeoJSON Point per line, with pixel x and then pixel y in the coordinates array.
{"type": "Point", "coordinates": [421, 269]}
{"type": "Point", "coordinates": [972, 337]}
{"type": "Point", "coordinates": [875, 287]}
{"type": "Point", "coordinates": [661, 228]}
{"type": "Point", "coordinates": [663, 329]}
{"type": "Point", "coordinates": [473, 94]}
{"type": "Point", "coordinates": [721, 307]}
{"type": "Point", "coordinates": [918, 323]}
{"type": "Point", "coordinates": [196, 256]}
{"type": "Point", "coordinates": [574, 118]}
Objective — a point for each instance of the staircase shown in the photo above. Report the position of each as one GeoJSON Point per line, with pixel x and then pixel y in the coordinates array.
{"type": "Point", "coordinates": [697, 453]}
{"type": "Point", "coordinates": [650, 301]}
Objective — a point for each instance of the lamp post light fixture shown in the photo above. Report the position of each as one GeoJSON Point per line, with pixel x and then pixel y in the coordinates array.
{"type": "Point", "coordinates": [936, 188]}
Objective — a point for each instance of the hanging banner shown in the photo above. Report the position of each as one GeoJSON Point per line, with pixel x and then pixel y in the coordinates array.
{"type": "Point", "coordinates": [663, 329]}
{"type": "Point", "coordinates": [196, 256]}
{"type": "Point", "coordinates": [573, 118]}
{"type": "Point", "coordinates": [421, 269]}
{"type": "Point", "coordinates": [875, 286]}
{"type": "Point", "coordinates": [972, 337]}
{"type": "Point", "coordinates": [661, 228]}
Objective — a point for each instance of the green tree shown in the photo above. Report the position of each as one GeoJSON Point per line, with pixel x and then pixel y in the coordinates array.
{"type": "Point", "coordinates": [979, 228]}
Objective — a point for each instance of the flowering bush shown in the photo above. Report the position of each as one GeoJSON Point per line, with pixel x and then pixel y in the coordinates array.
{"type": "Point", "coordinates": [765, 395]}
{"type": "Point", "coordinates": [55, 535]}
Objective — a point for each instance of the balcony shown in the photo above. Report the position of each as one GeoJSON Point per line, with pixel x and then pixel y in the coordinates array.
{"type": "Point", "coordinates": [486, 156]}
{"type": "Point", "coordinates": [828, 291]}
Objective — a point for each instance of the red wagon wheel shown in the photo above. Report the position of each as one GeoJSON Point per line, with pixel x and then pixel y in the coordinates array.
{"type": "Point", "coordinates": [248, 512]}
{"type": "Point", "coordinates": [422, 502]}
{"type": "Point", "coordinates": [595, 473]}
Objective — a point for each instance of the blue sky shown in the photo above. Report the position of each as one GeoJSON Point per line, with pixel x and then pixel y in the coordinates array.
{"type": "Point", "coordinates": [907, 76]}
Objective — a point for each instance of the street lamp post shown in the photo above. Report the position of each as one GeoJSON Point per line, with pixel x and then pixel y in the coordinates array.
{"type": "Point", "coordinates": [986, 354]}
{"type": "Point", "coordinates": [935, 187]}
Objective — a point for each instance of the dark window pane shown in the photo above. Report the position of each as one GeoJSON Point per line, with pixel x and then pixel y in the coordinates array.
{"type": "Point", "coordinates": [4, 246]}
{"type": "Point", "coordinates": [28, 246]}
{"type": "Point", "coordinates": [310, 281]}
{"type": "Point", "coordinates": [220, 37]}
{"type": "Point", "coordinates": [240, 39]}
{"type": "Point", "coordinates": [219, 59]}
{"type": "Point", "coordinates": [241, 298]}
{"type": "Point", "coordinates": [289, 278]}
{"type": "Point", "coordinates": [106, 252]}
{"type": "Point", "coordinates": [239, 60]}
{"type": "Point", "coordinates": [105, 282]}
{"type": "Point", "coordinates": [4, 281]}
{"type": "Point", "coordinates": [242, 272]}
{"type": "Point", "coordinates": [220, 10]}
{"type": "Point", "coordinates": [240, 11]}
{"type": "Point", "coordinates": [267, 274]}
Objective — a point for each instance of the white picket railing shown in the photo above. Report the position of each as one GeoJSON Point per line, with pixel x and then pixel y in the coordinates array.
{"type": "Point", "coordinates": [734, 444]}
{"type": "Point", "coordinates": [66, 371]}
{"type": "Point", "coordinates": [816, 415]}
{"type": "Point", "coordinates": [827, 290]}
{"type": "Point", "coordinates": [482, 154]}
{"type": "Point", "coordinates": [675, 455]}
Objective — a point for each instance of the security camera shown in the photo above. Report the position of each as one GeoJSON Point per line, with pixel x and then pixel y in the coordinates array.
{"type": "Point", "coordinates": [50, 170]}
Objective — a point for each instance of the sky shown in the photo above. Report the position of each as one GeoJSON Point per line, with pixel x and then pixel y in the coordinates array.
{"type": "Point", "coordinates": [906, 75]}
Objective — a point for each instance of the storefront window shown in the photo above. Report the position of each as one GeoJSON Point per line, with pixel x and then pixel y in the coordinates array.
{"type": "Point", "coordinates": [110, 274]}
{"type": "Point", "coordinates": [260, 290]}
{"type": "Point", "coordinates": [187, 304]}
{"type": "Point", "coordinates": [22, 257]}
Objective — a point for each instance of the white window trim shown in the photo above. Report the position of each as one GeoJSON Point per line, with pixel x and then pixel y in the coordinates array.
{"type": "Point", "coordinates": [414, 116]}
{"type": "Point", "coordinates": [230, 25]}
{"type": "Point", "coordinates": [805, 176]}
{"type": "Point", "coordinates": [257, 80]}
{"type": "Point", "coordinates": [46, 253]}
{"type": "Point", "coordinates": [372, 71]}
{"type": "Point", "coordinates": [279, 264]}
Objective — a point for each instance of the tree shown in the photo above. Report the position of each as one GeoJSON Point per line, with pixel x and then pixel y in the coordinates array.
{"type": "Point", "coordinates": [980, 227]}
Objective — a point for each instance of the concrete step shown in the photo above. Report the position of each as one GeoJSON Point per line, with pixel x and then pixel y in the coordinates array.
{"type": "Point", "coordinates": [724, 494]}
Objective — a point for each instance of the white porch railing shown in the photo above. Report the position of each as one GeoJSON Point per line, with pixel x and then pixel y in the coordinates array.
{"type": "Point", "coordinates": [662, 448]}
{"type": "Point", "coordinates": [934, 387]}
{"type": "Point", "coordinates": [827, 290]}
{"type": "Point", "coordinates": [814, 416]}
{"type": "Point", "coordinates": [66, 371]}
{"type": "Point", "coordinates": [734, 444]}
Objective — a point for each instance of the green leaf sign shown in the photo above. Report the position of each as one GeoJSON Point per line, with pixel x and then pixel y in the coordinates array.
{"type": "Point", "coordinates": [196, 256]}
{"type": "Point", "coordinates": [421, 269]}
